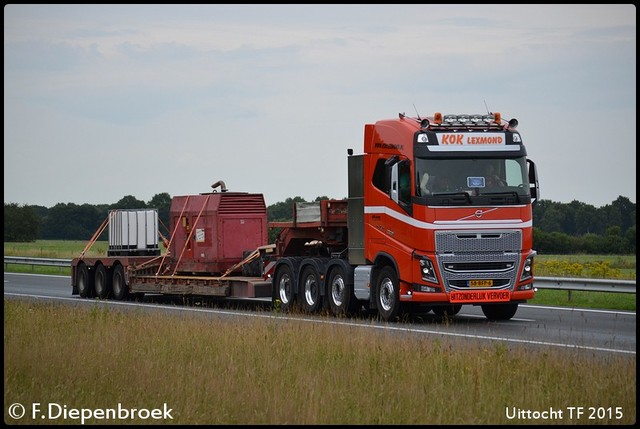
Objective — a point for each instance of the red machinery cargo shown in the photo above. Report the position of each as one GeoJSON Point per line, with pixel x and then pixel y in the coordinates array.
{"type": "Point", "coordinates": [213, 232]}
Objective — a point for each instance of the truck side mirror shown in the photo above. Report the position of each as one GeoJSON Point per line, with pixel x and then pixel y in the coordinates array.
{"type": "Point", "coordinates": [534, 187]}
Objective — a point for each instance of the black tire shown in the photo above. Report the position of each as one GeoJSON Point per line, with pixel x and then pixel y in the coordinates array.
{"type": "Point", "coordinates": [309, 296]}
{"type": "Point", "coordinates": [340, 297]}
{"type": "Point", "coordinates": [118, 284]}
{"type": "Point", "coordinates": [447, 310]}
{"type": "Point", "coordinates": [499, 311]}
{"type": "Point", "coordinates": [102, 282]}
{"type": "Point", "coordinates": [387, 294]}
{"type": "Point", "coordinates": [84, 281]}
{"type": "Point", "coordinates": [283, 295]}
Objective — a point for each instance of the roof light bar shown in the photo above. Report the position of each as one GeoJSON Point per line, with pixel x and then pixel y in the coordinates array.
{"type": "Point", "coordinates": [490, 120]}
{"type": "Point", "coordinates": [475, 119]}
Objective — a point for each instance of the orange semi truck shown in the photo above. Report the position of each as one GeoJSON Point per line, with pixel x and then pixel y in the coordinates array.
{"type": "Point", "coordinates": [438, 215]}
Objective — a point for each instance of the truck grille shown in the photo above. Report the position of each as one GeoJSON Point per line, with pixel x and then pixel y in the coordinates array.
{"type": "Point", "coordinates": [463, 256]}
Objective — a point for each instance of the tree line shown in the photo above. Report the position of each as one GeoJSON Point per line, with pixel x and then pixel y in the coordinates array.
{"type": "Point", "coordinates": [559, 228]}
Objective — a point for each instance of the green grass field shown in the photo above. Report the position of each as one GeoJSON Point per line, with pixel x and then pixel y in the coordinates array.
{"type": "Point", "coordinates": [621, 267]}
{"type": "Point", "coordinates": [58, 249]}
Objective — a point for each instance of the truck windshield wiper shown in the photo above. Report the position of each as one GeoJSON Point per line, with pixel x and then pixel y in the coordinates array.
{"type": "Point", "coordinates": [514, 193]}
{"type": "Point", "coordinates": [453, 194]}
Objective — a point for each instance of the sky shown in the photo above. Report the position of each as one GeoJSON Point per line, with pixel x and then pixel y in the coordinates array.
{"type": "Point", "coordinates": [106, 101]}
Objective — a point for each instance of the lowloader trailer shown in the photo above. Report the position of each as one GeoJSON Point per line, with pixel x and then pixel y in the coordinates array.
{"type": "Point", "coordinates": [438, 215]}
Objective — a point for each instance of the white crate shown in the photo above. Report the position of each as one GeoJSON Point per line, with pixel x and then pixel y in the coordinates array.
{"type": "Point", "coordinates": [133, 229]}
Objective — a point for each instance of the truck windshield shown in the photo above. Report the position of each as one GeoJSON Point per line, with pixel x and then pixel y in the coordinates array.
{"type": "Point", "coordinates": [472, 176]}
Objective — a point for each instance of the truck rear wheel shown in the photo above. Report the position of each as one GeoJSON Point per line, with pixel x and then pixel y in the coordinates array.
{"type": "Point", "coordinates": [340, 296]}
{"type": "Point", "coordinates": [309, 296]}
{"type": "Point", "coordinates": [118, 284]}
{"type": "Point", "coordinates": [283, 296]}
{"type": "Point", "coordinates": [499, 311]}
{"type": "Point", "coordinates": [102, 282]}
{"type": "Point", "coordinates": [388, 294]}
{"type": "Point", "coordinates": [85, 281]}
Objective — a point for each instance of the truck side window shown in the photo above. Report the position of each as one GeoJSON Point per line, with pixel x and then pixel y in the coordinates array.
{"type": "Point", "coordinates": [404, 182]}
{"type": "Point", "coordinates": [379, 176]}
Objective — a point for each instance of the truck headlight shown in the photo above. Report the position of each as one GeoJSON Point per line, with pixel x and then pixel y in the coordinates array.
{"type": "Point", "coordinates": [427, 271]}
{"type": "Point", "coordinates": [527, 270]}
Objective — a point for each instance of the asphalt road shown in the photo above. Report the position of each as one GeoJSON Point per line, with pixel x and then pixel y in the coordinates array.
{"type": "Point", "coordinates": [589, 330]}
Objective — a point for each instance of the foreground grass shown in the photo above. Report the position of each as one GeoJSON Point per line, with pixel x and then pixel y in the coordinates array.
{"type": "Point", "coordinates": [212, 370]}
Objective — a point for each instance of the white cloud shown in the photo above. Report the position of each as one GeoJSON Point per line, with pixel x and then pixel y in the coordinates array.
{"type": "Point", "coordinates": [103, 101]}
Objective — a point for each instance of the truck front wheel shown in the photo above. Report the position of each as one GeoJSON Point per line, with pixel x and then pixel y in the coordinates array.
{"type": "Point", "coordinates": [499, 311]}
{"type": "Point", "coordinates": [388, 294]}
{"type": "Point", "coordinates": [85, 281]}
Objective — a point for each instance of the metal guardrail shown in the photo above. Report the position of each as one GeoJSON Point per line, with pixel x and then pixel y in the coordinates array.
{"type": "Point", "coordinates": [45, 262]}
{"type": "Point", "coordinates": [591, 285]}
{"type": "Point", "coordinates": [559, 283]}
{"type": "Point", "coordinates": [49, 262]}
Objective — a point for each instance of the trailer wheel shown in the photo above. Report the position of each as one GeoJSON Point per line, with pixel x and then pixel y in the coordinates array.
{"type": "Point", "coordinates": [447, 310]}
{"type": "Point", "coordinates": [85, 281]}
{"type": "Point", "coordinates": [102, 282]}
{"type": "Point", "coordinates": [118, 284]}
{"type": "Point", "coordinates": [499, 311]}
{"type": "Point", "coordinates": [309, 296]}
{"type": "Point", "coordinates": [340, 293]}
{"type": "Point", "coordinates": [283, 295]}
{"type": "Point", "coordinates": [388, 293]}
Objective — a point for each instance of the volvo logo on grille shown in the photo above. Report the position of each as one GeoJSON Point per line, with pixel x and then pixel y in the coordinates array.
{"type": "Point", "coordinates": [478, 214]}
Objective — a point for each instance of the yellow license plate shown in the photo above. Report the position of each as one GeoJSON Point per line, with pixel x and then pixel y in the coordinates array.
{"type": "Point", "coordinates": [480, 283]}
